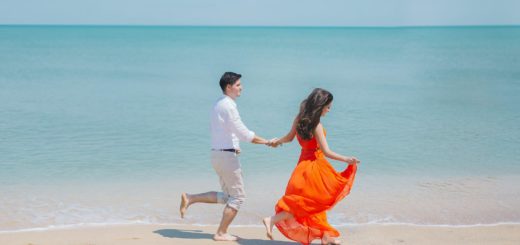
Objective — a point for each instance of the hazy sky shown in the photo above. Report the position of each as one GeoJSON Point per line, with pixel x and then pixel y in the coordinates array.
{"type": "Point", "coordinates": [262, 12]}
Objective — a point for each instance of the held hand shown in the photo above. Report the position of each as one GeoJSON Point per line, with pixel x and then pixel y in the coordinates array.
{"type": "Point", "coordinates": [270, 142]}
{"type": "Point", "coordinates": [277, 143]}
{"type": "Point", "coordinates": [273, 142]}
{"type": "Point", "coordinates": [352, 160]}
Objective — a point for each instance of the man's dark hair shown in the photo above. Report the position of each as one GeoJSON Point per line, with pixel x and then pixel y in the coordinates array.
{"type": "Point", "coordinates": [228, 78]}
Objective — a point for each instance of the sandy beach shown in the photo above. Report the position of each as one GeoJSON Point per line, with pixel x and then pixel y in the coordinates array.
{"type": "Point", "coordinates": [165, 234]}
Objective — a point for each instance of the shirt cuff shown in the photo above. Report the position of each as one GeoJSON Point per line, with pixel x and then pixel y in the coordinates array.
{"type": "Point", "coordinates": [250, 136]}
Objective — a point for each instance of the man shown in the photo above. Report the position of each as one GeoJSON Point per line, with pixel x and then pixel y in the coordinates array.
{"type": "Point", "coordinates": [227, 129]}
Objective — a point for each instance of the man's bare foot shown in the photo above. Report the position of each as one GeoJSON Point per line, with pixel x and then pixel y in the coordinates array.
{"type": "Point", "coordinates": [184, 204]}
{"type": "Point", "coordinates": [268, 227]}
{"type": "Point", "coordinates": [224, 237]}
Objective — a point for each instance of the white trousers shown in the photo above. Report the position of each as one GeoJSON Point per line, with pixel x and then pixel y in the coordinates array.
{"type": "Point", "coordinates": [228, 168]}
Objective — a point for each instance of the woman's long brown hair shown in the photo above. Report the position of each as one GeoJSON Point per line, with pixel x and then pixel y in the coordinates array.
{"type": "Point", "coordinates": [310, 112]}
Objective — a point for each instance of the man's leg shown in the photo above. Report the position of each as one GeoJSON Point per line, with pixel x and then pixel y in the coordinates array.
{"type": "Point", "coordinates": [188, 199]}
{"type": "Point", "coordinates": [207, 197]}
{"type": "Point", "coordinates": [227, 217]}
{"type": "Point", "coordinates": [232, 183]}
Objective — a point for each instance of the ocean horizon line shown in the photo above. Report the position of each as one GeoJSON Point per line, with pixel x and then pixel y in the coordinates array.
{"type": "Point", "coordinates": [267, 26]}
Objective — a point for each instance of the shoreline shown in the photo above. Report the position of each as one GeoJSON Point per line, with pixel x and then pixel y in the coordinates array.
{"type": "Point", "coordinates": [193, 234]}
{"type": "Point", "coordinates": [341, 226]}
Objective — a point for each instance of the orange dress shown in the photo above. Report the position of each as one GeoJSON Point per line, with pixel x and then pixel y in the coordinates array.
{"type": "Point", "coordinates": [314, 188]}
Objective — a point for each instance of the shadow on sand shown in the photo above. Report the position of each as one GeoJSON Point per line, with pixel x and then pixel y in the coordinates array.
{"type": "Point", "coordinates": [198, 234]}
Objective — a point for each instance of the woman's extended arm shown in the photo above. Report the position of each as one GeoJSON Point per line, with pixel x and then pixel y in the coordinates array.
{"type": "Point", "coordinates": [288, 137]}
{"type": "Point", "coordinates": [322, 142]}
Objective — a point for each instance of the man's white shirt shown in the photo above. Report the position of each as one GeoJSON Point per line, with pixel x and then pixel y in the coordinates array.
{"type": "Point", "coordinates": [227, 129]}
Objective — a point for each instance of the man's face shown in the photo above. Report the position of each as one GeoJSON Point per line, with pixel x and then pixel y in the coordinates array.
{"type": "Point", "coordinates": [234, 90]}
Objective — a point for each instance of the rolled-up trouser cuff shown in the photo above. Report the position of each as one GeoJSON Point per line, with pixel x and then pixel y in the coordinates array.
{"type": "Point", "coordinates": [222, 198]}
{"type": "Point", "coordinates": [233, 202]}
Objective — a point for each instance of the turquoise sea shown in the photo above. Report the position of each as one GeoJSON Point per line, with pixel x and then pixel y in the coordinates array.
{"type": "Point", "coordinates": [108, 125]}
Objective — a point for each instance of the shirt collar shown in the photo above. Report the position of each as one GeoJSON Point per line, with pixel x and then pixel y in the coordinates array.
{"type": "Point", "coordinates": [226, 97]}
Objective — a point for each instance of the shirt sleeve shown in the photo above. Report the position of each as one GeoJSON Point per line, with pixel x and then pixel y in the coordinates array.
{"type": "Point", "coordinates": [236, 126]}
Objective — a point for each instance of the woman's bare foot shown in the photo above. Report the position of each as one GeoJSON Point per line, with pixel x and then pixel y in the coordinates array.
{"type": "Point", "coordinates": [268, 227]}
{"type": "Point", "coordinates": [184, 204]}
{"type": "Point", "coordinates": [330, 240]}
{"type": "Point", "coordinates": [224, 237]}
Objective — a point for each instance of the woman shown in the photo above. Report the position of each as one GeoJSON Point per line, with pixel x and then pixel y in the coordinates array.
{"type": "Point", "coordinates": [315, 186]}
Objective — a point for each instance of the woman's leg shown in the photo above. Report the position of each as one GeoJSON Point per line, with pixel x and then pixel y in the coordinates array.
{"type": "Point", "coordinates": [269, 222]}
